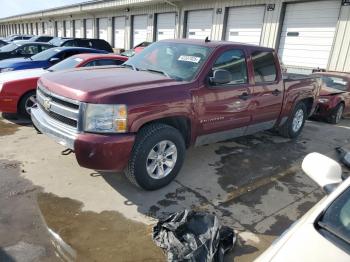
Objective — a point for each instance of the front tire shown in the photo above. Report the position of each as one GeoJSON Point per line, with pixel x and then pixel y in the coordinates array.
{"type": "Point", "coordinates": [337, 114]}
{"type": "Point", "coordinates": [157, 156]}
{"type": "Point", "coordinates": [295, 123]}
{"type": "Point", "coordinates": [25, 104]}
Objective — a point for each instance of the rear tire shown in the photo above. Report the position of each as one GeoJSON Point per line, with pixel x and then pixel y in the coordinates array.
{"type": "Point", "coordinates": [295, 123]}
{"type": "Point", "coordinates": [152, 165]}
{"type": "Point", "coordinates": [337, 114]}
{"type": "Point", "coordinates": [26, 102]}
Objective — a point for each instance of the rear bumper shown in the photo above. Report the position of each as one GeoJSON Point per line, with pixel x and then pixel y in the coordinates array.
{"type": "Point", "coordinates": [94, 151]}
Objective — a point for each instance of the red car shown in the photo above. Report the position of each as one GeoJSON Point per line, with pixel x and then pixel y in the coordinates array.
{"type": "Point", "coordinates": [334, 100]}
{"type": "Point", "coordinates": [17, 88]}
{"type": "Point", "coordinates": [174, 94]}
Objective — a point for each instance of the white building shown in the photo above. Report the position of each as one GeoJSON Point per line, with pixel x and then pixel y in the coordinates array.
{"type": "Point", "coordinates": [307, 34]}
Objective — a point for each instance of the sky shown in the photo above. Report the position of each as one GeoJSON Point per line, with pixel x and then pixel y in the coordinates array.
{"type": "Point", "coordinates": [15, 7]}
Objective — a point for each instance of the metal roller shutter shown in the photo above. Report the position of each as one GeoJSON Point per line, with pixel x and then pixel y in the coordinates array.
{"type": "Point", "coordinates": [165, 26]}
{"type": "Point", "coordinates": [77, 28]}
{"type": "Point", "coordinates": [139, 33]}
{"type": "Point", "coordinates": [199, 24]}
{"type": "Point", "coordinates": [103, 28]}
{"type": "Point", "coordinates": [119, 32]}
{"type": "Point", "coordinates": [244, 24]}
{"type": "Point", "coordinates": [69, 29]}
{"type": "Point", "coordinates": [307, 35]}
{"type": "Point", "coordinates": [89, 28]}
{"type": "Point", "coordinates": [59, 28]}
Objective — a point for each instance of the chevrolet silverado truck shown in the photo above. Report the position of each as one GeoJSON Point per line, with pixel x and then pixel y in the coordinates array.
{"type": "Point", "coordinates": [141, 116]}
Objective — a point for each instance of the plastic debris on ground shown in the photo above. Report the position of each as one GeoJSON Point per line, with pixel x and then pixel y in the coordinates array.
{"type": "Point", "coordinates": [193, 236]}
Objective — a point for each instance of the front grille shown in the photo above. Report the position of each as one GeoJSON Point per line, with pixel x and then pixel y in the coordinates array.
{"type": "Point", "coordinates": [60, 109]}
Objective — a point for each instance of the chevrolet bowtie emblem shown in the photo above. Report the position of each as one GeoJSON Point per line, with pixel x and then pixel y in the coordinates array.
{"type": "Point", "coordinates": [47, 103]}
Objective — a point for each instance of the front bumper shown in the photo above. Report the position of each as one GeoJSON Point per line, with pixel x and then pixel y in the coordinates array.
{"type": "Point", "coordinates": [8, 104]}
{"type": "Point", "coordinates": [95, 151]}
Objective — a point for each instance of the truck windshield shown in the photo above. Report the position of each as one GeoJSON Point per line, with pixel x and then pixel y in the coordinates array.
{"type": "Point", "coordinates": [68, 63]}
{"type": "Point", "coordinates": [175, 60]}
{"type": "Point", "coordinates": [335, 82]}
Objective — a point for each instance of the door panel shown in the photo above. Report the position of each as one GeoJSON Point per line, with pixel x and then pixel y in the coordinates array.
{"type": "Point", "coordinates": [224, 109]}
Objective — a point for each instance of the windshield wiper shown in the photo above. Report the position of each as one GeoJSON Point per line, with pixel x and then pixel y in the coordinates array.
{"type": "Point", "coordinates": [130, 66]}
{"type": "Point", "coordinates": [156, 71]}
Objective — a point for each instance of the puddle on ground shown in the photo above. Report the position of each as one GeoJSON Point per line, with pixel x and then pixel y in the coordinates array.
{"type": "Point", "coordinates": [105, 236]}
{"type": "Point", "coordinates": [7, 128]}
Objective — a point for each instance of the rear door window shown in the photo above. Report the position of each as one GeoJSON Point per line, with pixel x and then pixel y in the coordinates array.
{"type": "Point", "coordinates": [30, 49]}
{"type": "Point", "coordinates": [264, 67]}
{"type": "Point", "coordinates": [233, 61]}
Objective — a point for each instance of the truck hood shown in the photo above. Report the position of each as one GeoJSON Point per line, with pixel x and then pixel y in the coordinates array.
{"type": "Point", "coordinates": [328, 91]}
{"type": "Point", "coordinates": [96, 85]}
{"type": "Point", "coordinates": [21, 74]}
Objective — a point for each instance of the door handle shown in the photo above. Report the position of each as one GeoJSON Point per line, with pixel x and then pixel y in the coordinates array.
{"type": "Point", "coordinates": [244, 96]}
{"type": "Point", "coordinates": [276, 92]}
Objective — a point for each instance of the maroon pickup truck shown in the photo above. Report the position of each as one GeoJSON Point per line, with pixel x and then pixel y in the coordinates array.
{"type": "Point", "coordinates": [142, 116]}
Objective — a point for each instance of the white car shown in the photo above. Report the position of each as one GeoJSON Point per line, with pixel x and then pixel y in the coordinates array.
{"type": "Point", "coordinates": [323, 233]}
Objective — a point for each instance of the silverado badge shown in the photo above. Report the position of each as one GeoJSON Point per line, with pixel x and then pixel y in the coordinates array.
{"type": "Point", "coordinates": [47, 103]}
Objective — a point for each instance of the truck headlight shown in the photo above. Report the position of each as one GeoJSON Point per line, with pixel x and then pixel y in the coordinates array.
{"type": "Point", "coordinates": [101, 118]}
{"type": "Point", "coordinates": [323, 100]}
{"type": "Point", "coordinates": [8, 69]}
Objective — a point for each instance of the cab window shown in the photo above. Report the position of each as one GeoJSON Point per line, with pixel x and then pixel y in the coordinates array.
{"type": "Point", "coordinates": [264, 67]}
{"type": "Point", "coordinates": [234, 62]}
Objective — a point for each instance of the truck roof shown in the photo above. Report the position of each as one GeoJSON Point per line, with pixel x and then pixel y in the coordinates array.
{"type": "Point", "coordinates": [215, 44]}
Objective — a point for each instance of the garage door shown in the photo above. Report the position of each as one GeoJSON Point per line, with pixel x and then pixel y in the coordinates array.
{"type": "Point", "coordinates": [89, 28]}
{"type": "Point", "coordinates": [103, 28]}
{"type": "Point", "coordinates": [165, 26]}
{"type": "Point", "coordinates": [199, 24]}
{"type": "Point", "coordinates": [307, 35]}
{"type": "Point", "coordinates": [78, 28]}
{"type": "Point", "coordinates": [244, 24]}
{"type": "Point", "coordinates": [119, 32]}
{"type": "Point", "coordinates": [139, 33]}
{"type": "Point", "coordinates": [59, 28]}
{"type": "Point", "coordinates": [69, 32]}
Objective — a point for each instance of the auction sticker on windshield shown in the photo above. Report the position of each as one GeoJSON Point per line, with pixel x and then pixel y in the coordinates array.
{"type": "Point", "coordinates": [189, 58]}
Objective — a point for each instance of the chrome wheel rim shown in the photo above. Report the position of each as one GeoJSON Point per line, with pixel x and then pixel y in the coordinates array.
{"type": "Point", "coordinates": [298, 120]}
{"type": "Point", "coordinates": [29, 103]}
{"type": "Point", "coordinates": [339, 113]}
{"type": "Point", "coordinates": [161, 159]}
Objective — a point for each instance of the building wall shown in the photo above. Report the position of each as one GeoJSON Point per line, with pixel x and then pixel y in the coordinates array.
{"type": "Point", "coordinates": [339, 58]}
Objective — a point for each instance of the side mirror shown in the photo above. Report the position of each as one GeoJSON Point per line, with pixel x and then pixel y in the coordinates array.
{"type": "Point", "coordinates": [221, 76]}
{"type": "Point", "coordinates": [54, 60]}
{"type": "Point", "coordinates": [326, 172]}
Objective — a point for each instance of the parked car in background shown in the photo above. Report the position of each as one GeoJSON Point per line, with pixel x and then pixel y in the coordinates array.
{"type": "Point", "coordinates": [3, 43]}
{"type": "Point", "coordinates": [22, 49]}
{"type": "Point", "coordinates": [174, 94]}
{"type": "Point", "coordinates": [137, 49]}
{"type": "Point", "coordinates": [17, 37]}
{"type": "Point", "coordinates": [334, 100]}
{"type": "Point", "coordinates": [44, 59]}
{"type": "Point", "coordinates": [82, 42]}
{"type": "Point", "coordinates": [323, 233]}
{"type": "Point", "coordinates": [17, 89]}
{"type": "Point", "coordinates": [42, 39]}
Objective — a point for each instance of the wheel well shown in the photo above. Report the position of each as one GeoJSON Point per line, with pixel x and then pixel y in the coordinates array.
{"type": "Point", "coordinates": [181, 123]}
{"type": "Point", "coordinates": [308, 103]}
{"type": "Point", "coordinates": [21, 98]}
